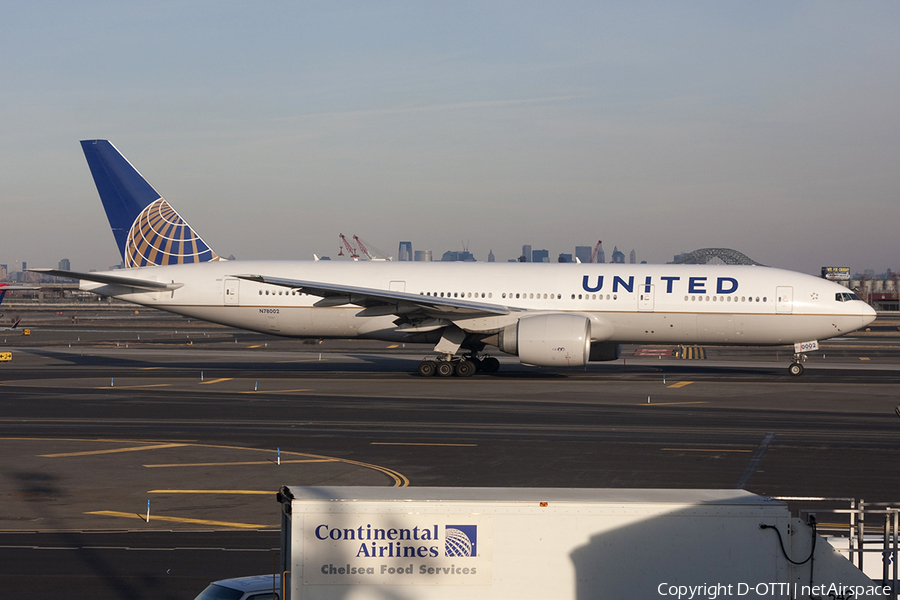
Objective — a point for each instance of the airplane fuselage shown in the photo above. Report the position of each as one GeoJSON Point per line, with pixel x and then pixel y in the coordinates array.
{"type": "Point", "coordinates": [667, 304]}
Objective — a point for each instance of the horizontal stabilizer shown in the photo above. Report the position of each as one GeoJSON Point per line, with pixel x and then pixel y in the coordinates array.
{"type": "Point", "coordinates": [12, 288]}
{"type": "Point", "coordinates": [132, 282]}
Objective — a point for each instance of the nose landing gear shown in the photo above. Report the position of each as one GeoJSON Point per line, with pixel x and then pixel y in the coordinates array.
{"type": "Point", "coordinates": [796, 368]}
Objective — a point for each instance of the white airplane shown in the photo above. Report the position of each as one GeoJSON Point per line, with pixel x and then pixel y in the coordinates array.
{"type": "Point", "coordinates": [553, 315]}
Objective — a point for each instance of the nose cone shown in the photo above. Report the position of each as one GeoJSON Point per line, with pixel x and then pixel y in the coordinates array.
{"type": "Point", "coordinates": [868, 314]}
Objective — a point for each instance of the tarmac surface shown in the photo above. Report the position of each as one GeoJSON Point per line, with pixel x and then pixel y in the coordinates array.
{"type": "Point", "coordinates": [102, 416]}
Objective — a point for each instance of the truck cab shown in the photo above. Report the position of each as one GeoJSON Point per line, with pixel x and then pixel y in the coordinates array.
{"type": "Point", "coordinates": [254, 587]}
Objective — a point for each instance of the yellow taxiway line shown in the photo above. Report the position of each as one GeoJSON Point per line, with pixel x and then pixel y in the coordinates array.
{"type": "Point", "coordinates": [113, 451]}
{"type": "Point", "coordinates": [113, 513]}
{"type": "Point", "coordinates": [274, 391]}
{"type": "Point", "coordinates": [131, 387]}
{"type": "Point", "coordinates": [674, 403]}
{"type": "Point", "coordinates": [417, 444]}
{"type": "Point", "coordinates": [399, 480]}
{"type": "Point", "coordinates": [229, 464]}
{"type": "Point", "coordinates": [701, 450]}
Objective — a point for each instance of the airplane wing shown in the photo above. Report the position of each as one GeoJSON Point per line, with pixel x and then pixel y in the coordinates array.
{"type": "Point", "coordinates": [140, 284]}
{"type": "Point", "coordinates": [385, 302]}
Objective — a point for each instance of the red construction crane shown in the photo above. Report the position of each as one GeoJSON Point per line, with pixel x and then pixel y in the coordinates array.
{"type": "Point", "coordinates": [350, 249]}
{"type": "Point", "coordinates": [363, 249]}
{"type": "Point", "coordinates": [596, 251]}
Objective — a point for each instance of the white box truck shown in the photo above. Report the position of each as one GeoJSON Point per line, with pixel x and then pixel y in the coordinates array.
{"type": "Point", "coordinates": [343, 543]}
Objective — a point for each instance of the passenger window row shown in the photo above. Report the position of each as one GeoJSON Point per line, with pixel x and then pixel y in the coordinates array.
{"type": "Point", "coordinates": [840, 297]}
{"type": "Point", "coordinates": [725, 299]}
{"type": "Point", "coordinates": [458, 294]}
{"type": "Point", "coordinates": [282, 292]}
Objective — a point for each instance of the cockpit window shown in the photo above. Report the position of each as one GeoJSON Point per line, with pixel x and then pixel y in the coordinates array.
{"type": "Point", "coordinates": [845, 297]}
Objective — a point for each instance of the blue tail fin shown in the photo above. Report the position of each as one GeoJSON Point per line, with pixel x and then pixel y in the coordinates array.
{"type": "Point", "coordinates": [147, 229]}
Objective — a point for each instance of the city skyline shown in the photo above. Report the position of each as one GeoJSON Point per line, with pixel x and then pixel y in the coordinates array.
{"type": "Point", "coordinates": [407, 248]}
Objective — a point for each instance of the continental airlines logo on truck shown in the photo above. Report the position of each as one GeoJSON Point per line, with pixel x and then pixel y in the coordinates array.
{"type": "Point", "coordinates": [387, 551]}
{"type": "Point", "coordinates": [459, 540]}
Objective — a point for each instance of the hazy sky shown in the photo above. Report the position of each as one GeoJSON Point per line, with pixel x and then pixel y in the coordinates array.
{"type": "Point", "coordinates": [768, 127]}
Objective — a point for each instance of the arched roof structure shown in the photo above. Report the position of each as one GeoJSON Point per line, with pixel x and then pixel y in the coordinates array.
{"type": "Point", "coordinates": [704, 255]}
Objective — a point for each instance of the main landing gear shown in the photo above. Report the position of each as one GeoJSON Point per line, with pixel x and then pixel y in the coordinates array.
{"type": "Point", "coordinates": [461, 366]}
{"type": "Point", "coordinates": [796, 368]}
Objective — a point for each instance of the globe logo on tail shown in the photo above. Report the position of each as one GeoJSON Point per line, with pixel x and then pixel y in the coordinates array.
{"type": "Point", "coordinates": [159, 236]}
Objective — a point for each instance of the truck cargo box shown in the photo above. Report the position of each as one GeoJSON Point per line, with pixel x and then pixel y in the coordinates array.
{"type": "Point", "coordinates": [495, 543]}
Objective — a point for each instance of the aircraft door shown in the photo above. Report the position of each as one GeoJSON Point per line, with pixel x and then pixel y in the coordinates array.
{"type": "Point", "coordinates": [645, 297]}
{"type": "Point", "coordinates": [232, 291]}
{"type": "Point", "coordinates": [784, 299]}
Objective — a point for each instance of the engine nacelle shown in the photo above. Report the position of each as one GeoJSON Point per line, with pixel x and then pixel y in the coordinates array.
{"type": "Point", "coordinates": [556, 340]}
{"type": "Point", "coordinates": [601, 351]}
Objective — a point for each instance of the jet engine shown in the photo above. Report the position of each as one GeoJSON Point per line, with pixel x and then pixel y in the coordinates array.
{"type": "Point", "coordinates": [555, 340]}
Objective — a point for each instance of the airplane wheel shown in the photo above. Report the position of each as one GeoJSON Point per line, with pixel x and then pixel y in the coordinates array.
{"type": "Point", "coordinates": [465, 368]}
{"type": "Point", "coordinates": [427, 368]}
{"type": "Point", "coordinates": [796, 369]}
{"type": "Point", "coordinates": [490, 365]}
{"type": "Point", "coordinates": [444, 369]}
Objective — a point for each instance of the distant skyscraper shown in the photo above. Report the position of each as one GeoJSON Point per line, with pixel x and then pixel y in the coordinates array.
{"type": "Point", "coordinates": [601, 255]}
{"type": "Point", "coordinates": [540, 256]}
{"type": "Point", "coordinates": [65, 265]}
{"type": "Point", "coordinates": [617, 256]}
{"type": "Point", "coordinates": [632, 258]}
{"type": "Point", "coordinates": [491, 255]}
{"type": "Point", "coordinates": [565, 258]}
{"type": "Point", "coordinates": [526, 252]}
{"type": "Point", "coordinates": [462, 255]}
{"type": "Point", "coordinates": [423, 255]}
{"type": "Point", "coordinates": [583, 253]}
{"type": "Point", "coordinates": [406, 251]}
